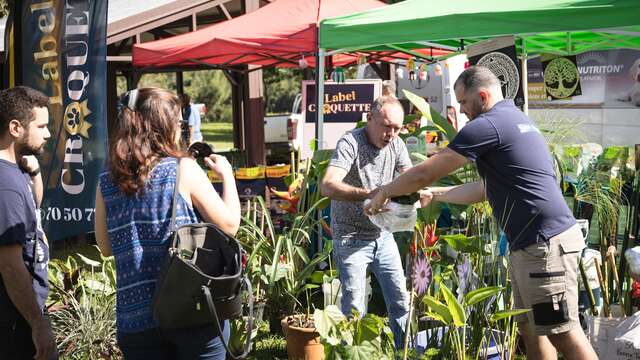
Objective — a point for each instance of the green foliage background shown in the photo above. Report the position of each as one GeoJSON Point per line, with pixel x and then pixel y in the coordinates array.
{"type": "Point", "coordinates": [212, 88]}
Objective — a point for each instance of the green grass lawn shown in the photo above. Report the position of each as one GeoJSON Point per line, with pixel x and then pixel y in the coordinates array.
{"type": "Point", "coordinates": [218, 134]}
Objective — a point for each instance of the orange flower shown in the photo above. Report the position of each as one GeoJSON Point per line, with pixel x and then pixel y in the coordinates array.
{"type": "Point", "coordinates": [326, 228]}
{"type": "Point", "coordinates": [291, 196]}
{"type": "Point", "coordinates": [429, 237]}
{"type": "Point", "coordinates": [413, 249]}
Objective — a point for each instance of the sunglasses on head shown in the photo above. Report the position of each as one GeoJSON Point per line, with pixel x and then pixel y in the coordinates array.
{"type": "Point", "coordinates": [129, 99]}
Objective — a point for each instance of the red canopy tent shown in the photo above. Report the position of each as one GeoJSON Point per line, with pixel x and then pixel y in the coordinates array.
{"type": "Point", "coordinates": [278, 34]}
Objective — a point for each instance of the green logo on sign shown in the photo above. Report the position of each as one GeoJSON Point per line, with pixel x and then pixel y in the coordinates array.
{"type": "Point", "coordinates": [561, 78]}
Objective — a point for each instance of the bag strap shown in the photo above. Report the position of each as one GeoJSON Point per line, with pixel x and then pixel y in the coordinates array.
{"type": "Point", "coordinates": [216, 320]}
{"type": "Point", "coordinates": [172, 225]}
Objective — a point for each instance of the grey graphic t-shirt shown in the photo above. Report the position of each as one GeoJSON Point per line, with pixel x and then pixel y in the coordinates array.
{"type": "Point", "coordinates": [367, 167]}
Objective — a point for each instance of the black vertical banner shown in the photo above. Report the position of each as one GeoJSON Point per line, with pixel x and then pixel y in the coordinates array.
{"type": "Point", "coordinates": [499, 55]}
{"type": "Point", "coordinates": [64, 55]}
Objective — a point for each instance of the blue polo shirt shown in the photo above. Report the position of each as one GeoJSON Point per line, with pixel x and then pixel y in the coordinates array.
{"type": "Point", "coordinates": [514, 161]}
{"type": "Point", "coordinates": [19, 224]}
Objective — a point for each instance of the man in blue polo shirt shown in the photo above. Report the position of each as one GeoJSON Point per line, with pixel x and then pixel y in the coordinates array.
{"type": "Point", "coordinates": [519, 181]}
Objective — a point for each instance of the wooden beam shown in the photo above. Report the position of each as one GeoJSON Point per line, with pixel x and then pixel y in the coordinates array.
{"type": "Point", "coordinates": [121, 58]}
{"type": "Point", "coordinates": [155, 18]}
{"type": "Point", "coordinates": [112, 98]}
{"type": "Point", "coordinates": [227, 73]}
{"type": "Point", "coordinates": [160, 33]}
{"type": "Point", "coordinates": [225, 11]}
{"type": "Point", "coordinates": [253, 107]}
{"type": "Point", "coordinates": [180, 82]}
{"type": "Point", "coordinates": [194, 22]}
{"type": "Point", "coordinates": [237, 115]}
{"type": "Point", "coordinates": [121, 46]}
{"type": "Point", "coordinates": [254, 118]}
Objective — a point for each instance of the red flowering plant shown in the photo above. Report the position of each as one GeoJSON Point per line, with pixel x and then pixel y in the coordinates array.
{"type": "Point", "coordinates": [427, 240]}
{"type": "Point", "coordinates": [635, 290]}
{"type": "Point", "coordinates": [291, 196]}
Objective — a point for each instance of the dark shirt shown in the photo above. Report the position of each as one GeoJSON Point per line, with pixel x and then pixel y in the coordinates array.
{"type": "Point", "coordinates": [19, 224]}
{"type": "Point", "coordinates": [517, 168]}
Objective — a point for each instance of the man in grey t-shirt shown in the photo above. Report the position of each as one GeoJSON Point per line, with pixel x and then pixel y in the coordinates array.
{"type": "Point", "coordinates": [365, 159]}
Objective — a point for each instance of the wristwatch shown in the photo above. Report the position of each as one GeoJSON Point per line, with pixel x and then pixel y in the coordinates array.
{"type": "Point", "coordinates": [34, 172]}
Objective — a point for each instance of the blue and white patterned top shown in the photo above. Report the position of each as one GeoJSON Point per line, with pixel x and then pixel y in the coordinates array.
{"type": "Point", "coordinates": [138, 228]}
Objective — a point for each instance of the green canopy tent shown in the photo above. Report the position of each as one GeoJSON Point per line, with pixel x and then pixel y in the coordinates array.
{"type": "Point", "coordinates": [540, 26]}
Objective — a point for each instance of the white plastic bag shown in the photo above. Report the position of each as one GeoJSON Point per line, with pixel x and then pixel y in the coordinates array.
{"type": "Point", "coordinates": [625, 342]}
{"type": "Point", "coordinates": [633, 258]}
{"type": "Point", "coordinates": [600, 332]}
{"type": "Point", "coordinates": [399, 217]}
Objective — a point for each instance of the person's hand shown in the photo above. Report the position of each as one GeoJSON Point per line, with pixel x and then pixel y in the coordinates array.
{"type": "Point", "coordinates": [43, 340]}
{"type": "Point", "coordinates": [29, 163]}
{"type": "Point", "coordinates": [373, 193]}
{"type": "Point", "coordinates": [426, 197]}
{"type": "Point", "coordinates": [219, 165]}
{"type": "Point", "coordinates": [378, 201]}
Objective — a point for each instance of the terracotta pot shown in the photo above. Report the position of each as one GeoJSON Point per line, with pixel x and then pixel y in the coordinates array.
{"type": "Point", "coordinates": [302, 343]}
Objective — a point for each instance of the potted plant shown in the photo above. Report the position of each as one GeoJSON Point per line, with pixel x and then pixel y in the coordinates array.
{"type": "Point", "coordinates": [303, 339]}
{"type": "Point", "coordinates": [283, 267]}
{"type": "Point", "coordinates": [367, 337]}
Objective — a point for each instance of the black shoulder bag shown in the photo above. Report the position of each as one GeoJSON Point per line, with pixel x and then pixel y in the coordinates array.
{"type": "Point", "coordinates": [201, 279]}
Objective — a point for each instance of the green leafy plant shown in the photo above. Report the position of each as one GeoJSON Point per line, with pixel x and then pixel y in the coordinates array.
{"type": "Point", "coordinates": [368, 337]}
{"type": "Point", "coordinates": [279, 261]}
{"type": "Point", "coordinates": [238, 334]}
{"type": "Point", "coordinates": [604, 195]}
{"type": "Point", "coordinates": [432, 115]}
{"type": "Point", "coordinates": [82, 307]}
{"type": "Point", "coordinates": [454, 314]}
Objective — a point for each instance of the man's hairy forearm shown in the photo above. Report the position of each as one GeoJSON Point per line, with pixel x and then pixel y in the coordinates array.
{"type": "Point", "coordinates": [410, 181]}
{"type": "Point", "coordinates": [344, 192]}
{"type": "Point", "coordinates": [460, 194]}
{"type": "Point", "coordinates": [17, 281]}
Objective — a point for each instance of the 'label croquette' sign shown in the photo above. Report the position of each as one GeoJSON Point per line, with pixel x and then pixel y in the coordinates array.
{"type": "Point", "coordinates": [64, 56]}
{"type": "Point", "coordinates": [343, 103]}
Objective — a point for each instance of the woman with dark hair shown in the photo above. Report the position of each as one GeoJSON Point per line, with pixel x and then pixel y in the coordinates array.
{"type": "Point", "coordinates": [134, 200]}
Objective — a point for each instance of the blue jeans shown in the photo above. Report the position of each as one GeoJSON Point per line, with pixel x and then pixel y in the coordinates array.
{"type": "Point", "coordinates": [184, 344]}
{"type": "Point", "coordinates": [353, 258]}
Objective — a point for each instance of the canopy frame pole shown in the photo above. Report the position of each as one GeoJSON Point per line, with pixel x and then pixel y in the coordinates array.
{"type": "Point", "coordinates": [320, 98]}
{"type": "Point", "coordinates": [319, 126]}
{"type": "Point", "coordinates": [525, 77]}
{"type": "Point", "coordinates": [414, 53]}
{"type": "Point", "coordinates": [546, 48]}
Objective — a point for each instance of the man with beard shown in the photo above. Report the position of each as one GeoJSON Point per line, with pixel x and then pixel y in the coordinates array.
{"type": "Point", "coordinates": [25, 332]}
{"type": "Point", "coordinates": [519, 181]}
